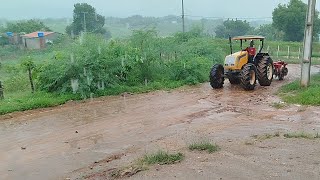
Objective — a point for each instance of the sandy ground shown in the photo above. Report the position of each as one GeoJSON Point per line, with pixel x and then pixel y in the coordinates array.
{"type": "Point", "coordinates": [89, 139]}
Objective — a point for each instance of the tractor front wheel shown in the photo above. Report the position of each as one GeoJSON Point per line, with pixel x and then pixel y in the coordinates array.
{"type": "Point", "coordinates": [248, 77]}
{"type": "Point", "coordinates": [265, 71]}
{"type": "Point", "coordinates": [217, 76]}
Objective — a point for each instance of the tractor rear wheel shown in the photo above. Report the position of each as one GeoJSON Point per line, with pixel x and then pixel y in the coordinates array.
{"type": "Point", "coordinates": [248, 77]}
{"type": "Point", "coordinates": [265, 71]}
{"type": "Point", "coordinates": [234, 80]}
{"type": "Point", "coordinates": [217, 76]}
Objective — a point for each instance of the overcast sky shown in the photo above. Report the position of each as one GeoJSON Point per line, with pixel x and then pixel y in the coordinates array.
{"type": "Point", "coordinates": [26, 9]}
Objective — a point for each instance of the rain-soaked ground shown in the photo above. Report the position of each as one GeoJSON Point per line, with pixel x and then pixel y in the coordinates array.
{"type": "Point", "coordinates": [88, 139]}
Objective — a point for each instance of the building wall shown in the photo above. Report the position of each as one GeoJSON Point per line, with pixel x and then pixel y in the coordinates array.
{"type": "Point", "coordinates": [52, 37]}
{"type": "Point", "coordinates": [35, 43]}
{"type": "Point", "coordinates": [31, 43]}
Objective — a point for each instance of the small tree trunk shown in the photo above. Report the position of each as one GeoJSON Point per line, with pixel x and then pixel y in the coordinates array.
{"type": "Point", "coordinates": [1, 91]}
{"type": "Point", "coordinates": [31, 80]}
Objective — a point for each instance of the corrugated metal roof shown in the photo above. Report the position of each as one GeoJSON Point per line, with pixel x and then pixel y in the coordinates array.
{"type": "Point", "coordinates": [35, 34]}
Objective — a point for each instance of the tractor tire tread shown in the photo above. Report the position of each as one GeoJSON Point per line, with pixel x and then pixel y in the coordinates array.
{"type": "Point", "coordinates": [217, 76]}
{"type": "Point", "coordinates": [262, 71]}
{"type": "Point", "coordinates": [246, 77]}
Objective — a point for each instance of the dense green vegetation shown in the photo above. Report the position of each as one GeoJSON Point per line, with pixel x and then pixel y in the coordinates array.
{"type": "Point", "coordinates": [291, 19]}
{"type": "Point", "coordinates": [141, 63]}
{"type": "Point", "coordinates": [293, 93]}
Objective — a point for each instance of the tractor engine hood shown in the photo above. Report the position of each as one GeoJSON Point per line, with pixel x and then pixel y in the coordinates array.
{"type": "Point", "coordinates": [232, 61]}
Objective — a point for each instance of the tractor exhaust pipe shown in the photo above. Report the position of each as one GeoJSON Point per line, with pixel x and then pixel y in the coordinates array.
{"type": "Point", "coordinates": [230, 42]}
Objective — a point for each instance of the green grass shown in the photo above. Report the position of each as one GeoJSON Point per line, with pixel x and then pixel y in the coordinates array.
{"type": "Point", "coordinates": [298, 135]}
{"type": "Point", "coordinates": [204, 146]}
{"type": "Point", "coordinates": [294, 94]}
{"type": "Point", "coordinates": [162, 158]}
{"type": "Point", "coordinates": [302, 135]}
{"type": "Point", "coordinates": [22, 101]}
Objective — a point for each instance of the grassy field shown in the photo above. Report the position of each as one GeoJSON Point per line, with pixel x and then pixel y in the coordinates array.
{"type": "Point", "coordinates": [293, 93]}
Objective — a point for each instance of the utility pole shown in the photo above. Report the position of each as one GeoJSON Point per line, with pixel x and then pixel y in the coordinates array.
{"type": "Point", "coordinates": [183, 18]}
{"type": "Point", "coordinates": [84, 21]}
{"type": "Point", "coordinates": [307, 47]}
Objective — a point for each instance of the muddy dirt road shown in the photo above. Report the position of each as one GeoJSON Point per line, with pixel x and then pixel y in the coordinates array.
{"type": "Point", "coordinates": [80, 140]}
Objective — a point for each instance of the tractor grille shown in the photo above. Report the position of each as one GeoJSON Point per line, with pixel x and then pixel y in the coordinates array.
{"type": "Point", "coordinates": [230, 61]}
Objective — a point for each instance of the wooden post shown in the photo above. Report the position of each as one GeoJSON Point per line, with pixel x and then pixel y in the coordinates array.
{"type": "Point", "coordinates": [299, 53]}
{"type": "Point", "coordinates": [1, 91]}
{"type": "Point", "coordinates": [278, 50]}
{"type": "Point", "coordinates": [288, 52]}
{"type": "Point", "coordinates": [30, 79]}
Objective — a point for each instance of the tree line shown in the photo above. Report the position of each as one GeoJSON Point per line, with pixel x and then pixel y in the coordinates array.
{"type": "Point", "coordinates": [288, 23]}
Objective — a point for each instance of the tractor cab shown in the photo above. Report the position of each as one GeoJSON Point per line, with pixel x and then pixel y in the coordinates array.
{"type": "Point", "coordinates": [245, 66]}
{"type": "Point", "coordinates": [247, 51]}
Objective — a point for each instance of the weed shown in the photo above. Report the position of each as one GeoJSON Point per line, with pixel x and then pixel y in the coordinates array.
{"type": "Point", "coordinates": [204, 146]}
{"type": "Point", "coordinates": [266, 136]}
{"type": "Point", "coordinates": [278, 105]}
{"type": "Point", "coordinates": [162, 157]}
{"type": "Point", "coordinates": [302, 135]}
{"type": "Point", "coordinates": [129, 170]}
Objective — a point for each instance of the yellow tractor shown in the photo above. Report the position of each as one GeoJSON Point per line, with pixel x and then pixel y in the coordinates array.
{"type": "Point", "coordinates": [244, 67]}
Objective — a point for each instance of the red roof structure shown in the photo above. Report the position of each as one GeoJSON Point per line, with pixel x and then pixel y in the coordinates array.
{"type": "Point", "coordinates": [35, 34]}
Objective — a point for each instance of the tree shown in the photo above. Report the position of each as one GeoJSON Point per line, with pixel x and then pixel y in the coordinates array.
{"type": "Point", "coordinates": [28, 65]}
{"type": "Point", "coordinates": [291, 20]}
{"type": "Point", "coordinates": [4, 40]}
{"type": "Point", "coordinates": [269, 32]}
{"type": "Point", "coordinates": [28, 26]}
{"type": "Point", "coordinates": [86, 19]}
{"type": "Point", "coordinates": [232, 28]}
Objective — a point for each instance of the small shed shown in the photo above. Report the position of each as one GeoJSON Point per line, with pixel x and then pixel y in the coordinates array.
{"type": "Point", "coordinates": [38, 40]}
